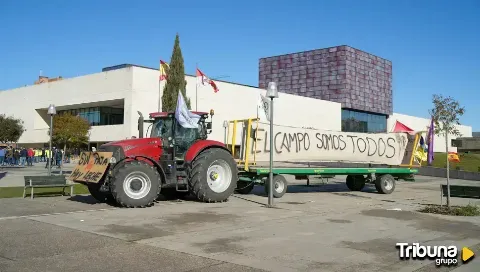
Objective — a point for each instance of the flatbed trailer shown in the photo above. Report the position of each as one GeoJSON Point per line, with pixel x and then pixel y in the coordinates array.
{"type": "Point", "coordinates": [251, 172]}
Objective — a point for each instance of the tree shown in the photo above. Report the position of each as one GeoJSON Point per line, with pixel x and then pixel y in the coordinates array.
{"type": "Point", "coordinates": [175, 80]}
{"type": "Point", "coordinates": [446, 112]}
{"type": "Point", "coordinates": [11, 129]}
{"type": "Point", "coordinates": [69, 129]}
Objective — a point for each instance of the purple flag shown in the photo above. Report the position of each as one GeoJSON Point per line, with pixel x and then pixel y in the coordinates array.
{"type": "Point", "coordinates": [430, 142]}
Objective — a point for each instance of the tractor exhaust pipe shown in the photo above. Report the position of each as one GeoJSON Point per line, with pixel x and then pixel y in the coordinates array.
{"type": "Point", "coordinates": [140, 125]}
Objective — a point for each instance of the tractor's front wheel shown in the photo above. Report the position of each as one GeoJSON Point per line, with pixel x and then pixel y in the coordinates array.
{"type": "Point", "coordinates": [213, 175]}
{"type": "Point", "coordinates": [136, 184]}
{"type": "Point", "coordinates": [101, 197]}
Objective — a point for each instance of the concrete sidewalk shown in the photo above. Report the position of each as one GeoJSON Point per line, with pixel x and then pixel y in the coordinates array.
{"type": "Point", "coordinates": [317, 228]}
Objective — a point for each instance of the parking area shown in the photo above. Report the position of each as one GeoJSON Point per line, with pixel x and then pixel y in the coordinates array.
{"type": "Point", "coordinates": [315, 228]}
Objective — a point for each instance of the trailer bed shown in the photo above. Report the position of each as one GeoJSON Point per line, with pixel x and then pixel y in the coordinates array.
{"type": "Point", "coordinates": [384, 177]}
{"type": "Point", "coordinates": [330, 171]}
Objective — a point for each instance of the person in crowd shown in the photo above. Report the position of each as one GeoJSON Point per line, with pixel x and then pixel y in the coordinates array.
{"type": "Point", "coordinates": [9, 156]}
{"type": "Point", "coordinates": [43, 155]}
{"type": "Point", "coordinates": [48, 158]}
{"type": "Point", "coordinates": [30, 156]}
{"type": "Point", "coordinates": [3, 152]}
{"type": "Point", "coordinates": [36, 155]}
{"type": "Point", "coordinates": [58, 158]}
{"type": "Point", "coordinates": [68, 154]}
{"type": "Point", "coordinates": [16, 156]}
{"type": "Point", "coordinates": [23, 156]}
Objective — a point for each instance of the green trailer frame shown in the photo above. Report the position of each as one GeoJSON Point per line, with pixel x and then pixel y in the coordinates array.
{"type": "Point", "coordinates": [250, 173]}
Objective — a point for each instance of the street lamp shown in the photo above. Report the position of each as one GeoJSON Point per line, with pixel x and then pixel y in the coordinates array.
{"type": "Point", "coordinates": [272, 93]}
{"type": "Point", "coordinates": [225, 126]}
{"type": "Point", "coordinates": [51, 111]}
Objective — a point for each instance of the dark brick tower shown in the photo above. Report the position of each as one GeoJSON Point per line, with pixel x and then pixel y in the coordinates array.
{"type": "Point", "coordinates": [358, 80]}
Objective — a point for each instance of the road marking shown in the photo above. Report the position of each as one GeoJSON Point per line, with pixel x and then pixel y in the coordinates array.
{"type": "Point", "coordinates": [59, 213]}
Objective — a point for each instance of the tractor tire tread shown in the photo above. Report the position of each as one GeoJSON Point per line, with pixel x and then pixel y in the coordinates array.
{"type": "Point", "coordinates": [197, 171]}
{"type": "Point", "coordinates": [117, 188]}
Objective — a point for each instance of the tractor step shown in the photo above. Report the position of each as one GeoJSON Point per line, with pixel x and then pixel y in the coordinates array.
{"type": "Point", "coordinates": [182, 187]}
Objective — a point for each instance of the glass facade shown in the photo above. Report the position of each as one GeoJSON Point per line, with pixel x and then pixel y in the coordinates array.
{"type": "Point", "coordinates": [98, 116]}
{"type": "Point", "coordinates": [357, 121]}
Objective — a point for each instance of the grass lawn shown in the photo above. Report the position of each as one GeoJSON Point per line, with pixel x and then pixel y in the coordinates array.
{"type": "Point", "coordinates": [469, 210]}
{"type": "Point", "coordinates": [468, 162]}
{"type": "Point", "coordinates": [9, 192]}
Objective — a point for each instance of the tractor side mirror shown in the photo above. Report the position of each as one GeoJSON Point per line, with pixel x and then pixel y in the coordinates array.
{"type": "Point", "coordinates": [209, 127]}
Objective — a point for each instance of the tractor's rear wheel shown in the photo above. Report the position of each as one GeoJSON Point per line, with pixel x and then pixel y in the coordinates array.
{"type": "Point", "coordinates": [213, 175]}
{"type": "Point", "coordinates": [136, 184]}
{"type": "Point", "coordinates": [102, 197]}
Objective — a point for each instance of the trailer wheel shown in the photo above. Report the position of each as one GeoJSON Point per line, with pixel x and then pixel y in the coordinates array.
{"type": "Point", "coordinates": [136, 185]}
{"type": "Point", "coordinates": [101, 197]}
{"type": "Point", "coordinates": [385, 184]}
{"type": "Point", "coordinates": [213, 175]}
{"type": "Point", "coordinates": [245, 187]}
{"type": "Point", "coordinates": [279, 186]}
{"type": "Point", "coordinates": [355, 182]}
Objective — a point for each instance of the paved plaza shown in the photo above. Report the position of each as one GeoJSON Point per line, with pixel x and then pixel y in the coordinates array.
{"type": "Point", "coordinates": [316, 228]}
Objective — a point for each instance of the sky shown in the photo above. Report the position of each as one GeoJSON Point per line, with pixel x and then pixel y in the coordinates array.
{"type": "Point", "coordinates": [433, 45]}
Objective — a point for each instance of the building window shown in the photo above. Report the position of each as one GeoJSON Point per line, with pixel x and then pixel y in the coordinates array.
{"type": "Point", "coordinates": [99, 116]}
{"type": "Point", "coordinates": [357, 121]}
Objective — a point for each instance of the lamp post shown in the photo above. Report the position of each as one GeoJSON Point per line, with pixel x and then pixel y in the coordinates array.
{"type": "Point", "coordinates": [89, 132]}
{"type": "Point", "coordinates": [51, 111]}
{"type": "Point", "coordinates": [225, 126]}
{"type": "Point", "coordinates": [272, 93]}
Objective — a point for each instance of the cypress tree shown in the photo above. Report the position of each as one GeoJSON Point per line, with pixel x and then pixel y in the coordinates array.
{"type": "Point", "coordinates": [175, 80]}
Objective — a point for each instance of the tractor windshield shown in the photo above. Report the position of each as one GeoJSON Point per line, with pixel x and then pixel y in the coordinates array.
{"type": "Point", "coordinates": [184, 137]}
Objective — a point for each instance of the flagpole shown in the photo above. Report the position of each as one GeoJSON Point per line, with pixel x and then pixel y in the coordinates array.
{"type": "Point", "coordinates": [196, 87]}
{"type": "Point", "coordinates": [159, 95]}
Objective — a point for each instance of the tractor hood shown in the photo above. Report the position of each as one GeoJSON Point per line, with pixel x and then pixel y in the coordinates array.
{"type": "Point", "coordinates": [150, 147]}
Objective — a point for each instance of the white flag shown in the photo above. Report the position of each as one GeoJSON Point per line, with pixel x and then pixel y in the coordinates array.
{"type": "Point", "coordinates": [184, 117]}
{"type": "Point", "coordinates": [264, 106]}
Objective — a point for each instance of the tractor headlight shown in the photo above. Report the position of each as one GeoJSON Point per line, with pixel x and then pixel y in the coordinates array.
{"type": "Point", "coordinates": [113, 160]}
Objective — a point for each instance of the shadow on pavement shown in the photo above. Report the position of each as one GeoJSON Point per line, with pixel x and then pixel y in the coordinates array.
{"type": "Point", "coordinates": [44, 194]}
{"type": "Point", "coordinates": [316, 188]}
{"type": "Point", "coordinates": [85, 199]}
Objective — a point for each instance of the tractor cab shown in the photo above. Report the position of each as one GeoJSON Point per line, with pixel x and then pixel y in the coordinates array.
{"type": "Point", "coordinates": [176, 138]}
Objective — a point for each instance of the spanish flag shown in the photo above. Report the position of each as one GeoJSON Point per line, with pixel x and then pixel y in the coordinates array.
{"type": "Point", "coordinates": [163, 70]}
{"type": "Point", "coordinates": [453, 157]}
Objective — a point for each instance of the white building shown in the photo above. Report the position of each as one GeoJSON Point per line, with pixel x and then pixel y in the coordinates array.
{"type": "Point", "coordinates": [110, 101]}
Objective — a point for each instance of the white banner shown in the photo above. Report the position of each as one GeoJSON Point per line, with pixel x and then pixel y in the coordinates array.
{"type": "Point", "coordinates": [184, 117]}
{"type": "Point", "coordinates": [299, 144]}
{"type": "Point", "coordinates": [264, 107]}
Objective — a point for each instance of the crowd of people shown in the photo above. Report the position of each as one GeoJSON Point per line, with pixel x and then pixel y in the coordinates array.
{"type": "Point", "coordinates": [21, 156]}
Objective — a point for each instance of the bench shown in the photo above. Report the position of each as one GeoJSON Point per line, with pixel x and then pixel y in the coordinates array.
{"type": "Point", "coordinates": [461, 191]}
{"type": "Point", "coordinates": [46, 182]}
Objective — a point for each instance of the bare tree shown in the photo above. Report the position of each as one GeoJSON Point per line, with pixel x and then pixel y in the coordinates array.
{"type": "Point", "coordinates": [446, 112]}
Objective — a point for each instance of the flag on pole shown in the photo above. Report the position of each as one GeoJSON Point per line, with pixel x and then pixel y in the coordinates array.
{"type": "Point", "coordinates": [430, 138]}
{"type": "Point", "coordinates": [163, 70]}
{"type": "Point", "coordinates": [202, 79]}
{"type": "Point", "coordinates": [453, 157]}
{"type": "Point", "coordinates": [185, 118]}
{"type": "Point", "coordinates": [264, 106]}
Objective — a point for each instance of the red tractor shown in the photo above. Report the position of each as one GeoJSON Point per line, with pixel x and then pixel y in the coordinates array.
{"type": "Point", "coordinates": [173, 161]}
